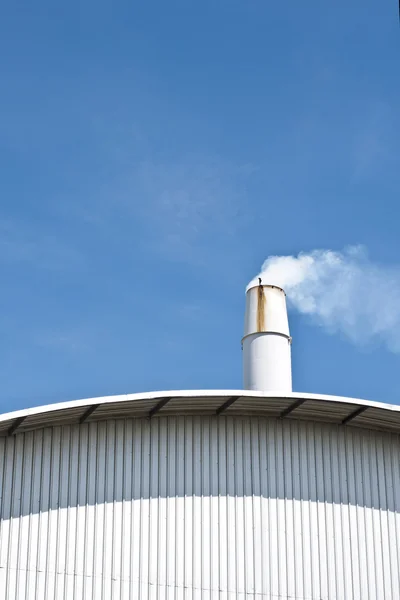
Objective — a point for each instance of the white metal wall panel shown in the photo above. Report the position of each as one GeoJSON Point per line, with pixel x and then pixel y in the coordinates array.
{"type": "Point", "coordinates": [200, 507]}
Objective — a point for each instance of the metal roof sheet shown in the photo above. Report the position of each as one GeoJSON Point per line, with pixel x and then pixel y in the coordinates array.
{"type": "Point", "coordinates": [310, 407]}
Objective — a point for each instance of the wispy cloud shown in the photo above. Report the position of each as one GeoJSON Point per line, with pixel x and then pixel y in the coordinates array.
{"type": "Point", "coordinates": [23, 243]}
{"type": "Point", "coordinates": [74, 340]}
{"type": "Point", "coordinates": [342, 291]}
{"type": "Point", "coordinates": [190, 311]}
{"type": "Point", "coordinates": [373, 145]}
{"type": "Point", "coordinates": [188, 204]}
{"type": "Point", "coordinates": [180, 210]}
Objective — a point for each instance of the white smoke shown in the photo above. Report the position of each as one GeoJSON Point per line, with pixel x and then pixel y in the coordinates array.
{"type": "Point", "coordinates": [341, 291]}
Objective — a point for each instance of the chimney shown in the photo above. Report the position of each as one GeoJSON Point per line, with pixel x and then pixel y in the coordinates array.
{"type": "Point", "coordinates": [266, 342]}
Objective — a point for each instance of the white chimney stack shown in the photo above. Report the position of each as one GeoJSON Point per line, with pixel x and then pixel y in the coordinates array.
{"type": "Point", "coordinates": [266, 342]}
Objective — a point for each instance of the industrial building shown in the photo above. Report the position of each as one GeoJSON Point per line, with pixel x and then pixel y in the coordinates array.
{"type": "Point", "coordinates": [261, 493]}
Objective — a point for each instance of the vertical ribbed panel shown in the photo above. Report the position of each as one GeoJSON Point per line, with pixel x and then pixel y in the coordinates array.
{"type": "Point", "coordinates": [197, 507]}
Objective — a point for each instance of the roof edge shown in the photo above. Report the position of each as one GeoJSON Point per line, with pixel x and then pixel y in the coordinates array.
{"type": "Point", "coordinates": [87, 402]}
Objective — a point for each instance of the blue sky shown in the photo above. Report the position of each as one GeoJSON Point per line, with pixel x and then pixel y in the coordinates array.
{"type": "Point", "coordinates": [153, 156]}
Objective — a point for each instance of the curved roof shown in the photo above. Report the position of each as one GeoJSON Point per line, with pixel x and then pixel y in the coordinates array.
{"type": "Point", "coordinates": [309, 407]}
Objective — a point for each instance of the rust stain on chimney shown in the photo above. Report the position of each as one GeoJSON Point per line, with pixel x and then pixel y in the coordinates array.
{"type": "Point", "coordinates": [261, 309]}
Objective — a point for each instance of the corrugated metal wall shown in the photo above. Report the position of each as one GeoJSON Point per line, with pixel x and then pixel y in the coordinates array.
{"type": "Point", "coordinates": [198, 507]}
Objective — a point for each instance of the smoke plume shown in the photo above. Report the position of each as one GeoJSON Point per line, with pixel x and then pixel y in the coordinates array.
{"type": "Point", "coordinates": [341, 291]}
